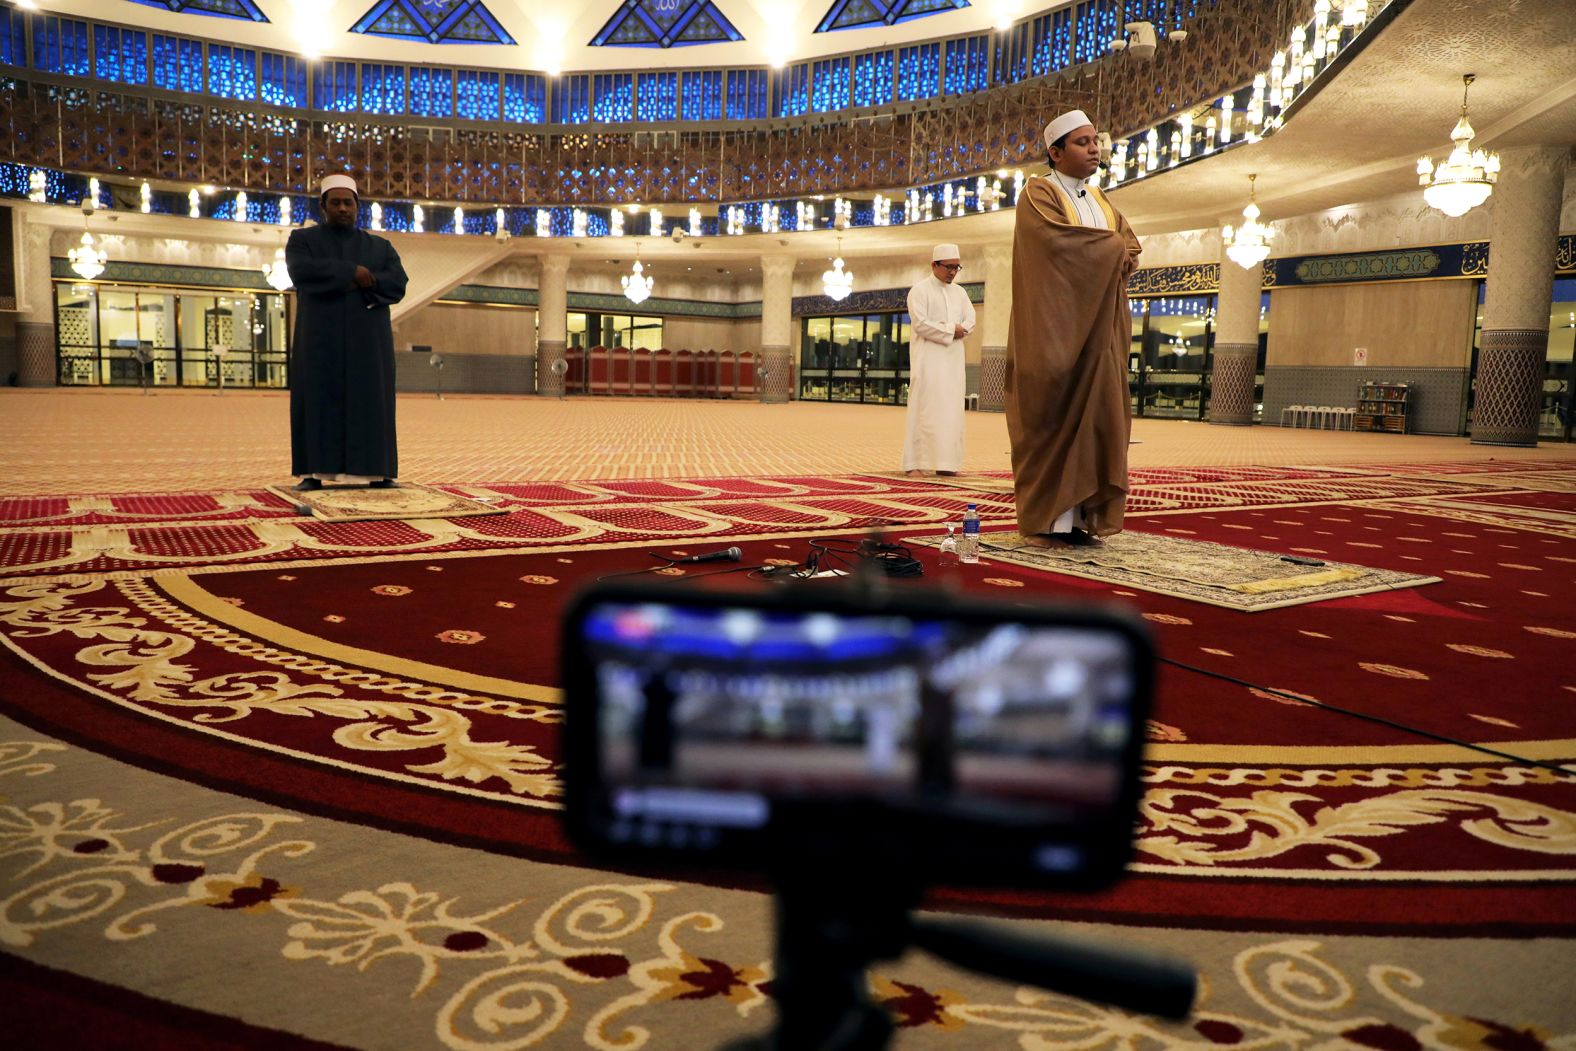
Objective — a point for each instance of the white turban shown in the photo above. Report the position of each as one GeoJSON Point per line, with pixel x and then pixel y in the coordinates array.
{"type": "Point", "coordinates": [338, 181]}
{"type": "Point", "coordinates": [940, 252]}
{"type": "Point", "coordinates": [1069, 121]}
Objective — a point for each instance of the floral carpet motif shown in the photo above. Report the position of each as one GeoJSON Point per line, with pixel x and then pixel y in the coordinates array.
{"type": "Point", "coordinates": [365, 941]}
{"type": "Point", "coordinates": [1234, 577]}
{"type": "Point", "coordinates": [138, 533]}
{"type": "Point", "coordinates": [308, 797]}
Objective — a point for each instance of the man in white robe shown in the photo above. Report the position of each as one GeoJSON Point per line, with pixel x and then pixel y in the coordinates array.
{"type": "Point", "coordinates": [940, 315]}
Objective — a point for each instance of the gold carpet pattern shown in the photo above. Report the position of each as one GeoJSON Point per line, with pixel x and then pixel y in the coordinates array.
{"type": "Point", "coordinates": [1217, 574]}
{"type": "Point", "coordinates": [360, 503]}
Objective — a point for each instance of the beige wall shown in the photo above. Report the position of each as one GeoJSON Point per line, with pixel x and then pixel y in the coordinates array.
{"type": "Point", "coordinates": [470, 329]}
{"type": "Point", "coordinates": [701, 333]}
{"type": "Point", "coordinates": [1412, 324]}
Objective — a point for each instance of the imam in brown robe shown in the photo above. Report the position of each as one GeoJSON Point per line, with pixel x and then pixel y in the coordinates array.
{"type": "Point", "coordinates": [1068, 413]}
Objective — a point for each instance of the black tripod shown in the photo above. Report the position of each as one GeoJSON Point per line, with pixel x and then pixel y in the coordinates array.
{"type": "Point", "coordinates": [832, 925]}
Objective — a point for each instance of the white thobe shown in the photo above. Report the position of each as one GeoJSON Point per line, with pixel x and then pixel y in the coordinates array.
{"type": "Point", "coordinates": [933, 439]}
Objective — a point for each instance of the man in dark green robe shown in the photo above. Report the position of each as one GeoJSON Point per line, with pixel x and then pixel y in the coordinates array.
{"type": "Point", "coordinates": [342, 358]}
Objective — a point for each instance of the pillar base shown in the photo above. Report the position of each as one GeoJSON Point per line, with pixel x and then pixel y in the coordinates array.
{"type": "Point", "coordinates": [35, 354]}
{"type": "Point", "coordinates": [549, 382]}
{"type": "Point", "coordinates": [1231, 384]}
{"type": "Point", "coordinates": [774, 375]}
{"type": "Point", "coordinates": [1509, 387]}
{"type": "Point", "coordinates": [993, 379]}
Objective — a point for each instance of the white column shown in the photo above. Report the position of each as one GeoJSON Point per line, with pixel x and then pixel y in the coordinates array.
{"type": "Point", "coordinates": [994, 326]}
{"type": "Point", "coordinates": [1522, 238]}
{"type": "Point", "coordinates": [35, 328]}
{"type": "Point", "coordinates": [1236, 344]}
{"type": "Point", "coordinates": [776, 361]}
{"type": "Point", "coordinates": [552, 323]}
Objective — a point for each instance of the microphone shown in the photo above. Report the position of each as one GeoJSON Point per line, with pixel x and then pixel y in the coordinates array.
{"type": "Point", "coordinates": [1083, 193]}
{"type": "Point", "coordinates": [733, 554]}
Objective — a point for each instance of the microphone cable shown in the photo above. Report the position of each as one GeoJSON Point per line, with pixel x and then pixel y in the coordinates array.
{"type": "Point", "coordinates": [1367, 717]}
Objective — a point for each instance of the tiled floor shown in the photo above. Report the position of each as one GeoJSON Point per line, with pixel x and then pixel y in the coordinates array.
{"type": "Point", "coordinates": [78, 441]}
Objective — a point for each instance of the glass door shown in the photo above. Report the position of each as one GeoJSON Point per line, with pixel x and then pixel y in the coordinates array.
{"type": "Point", "coordinates": [1173, 351]}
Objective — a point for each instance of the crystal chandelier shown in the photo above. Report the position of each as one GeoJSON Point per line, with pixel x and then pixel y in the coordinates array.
{"type": "Point", "coordinates": [1248, 244]}
{"type": "Point", "coordinates": [837, 282]}
{"type": "Point", "coordinates": [87, 262]}
{"type": "Point", "coordinates": [637, 284]}
{"type": "Point", "coordinates": [276, 273]}
{"type": "Point", "coordinates": [1463, 180]}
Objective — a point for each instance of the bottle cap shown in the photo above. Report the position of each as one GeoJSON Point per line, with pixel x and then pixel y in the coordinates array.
{"type": "Point", "coordinates": [973, 506]}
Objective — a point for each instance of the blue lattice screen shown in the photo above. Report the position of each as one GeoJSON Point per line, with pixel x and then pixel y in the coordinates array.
{"type": "Point", "coordinates": [476, 95]}
{"type": "Point", "coordinates": [873, 78]}
{"type": "Point", "coordinates": [524, 98]}
{"type": "Point", "coordinates": [232, 72]}
{"type": "Point", "coordinates": [282, 80]}
{"type": "Point", "coordinates": [177, 64]}
{"type": "Point", "coordinates": [702, 95]}
{"type": "Point", "coordinates": [120, 55]}
{"type": "Point", "coordinates": [382, 88]}
{"type": "Point", "coordinates": [918, 72]}
{"type": "Point", "coordinates": [334, 87]}
{"type": "Point", "coordinates": [61, 46]}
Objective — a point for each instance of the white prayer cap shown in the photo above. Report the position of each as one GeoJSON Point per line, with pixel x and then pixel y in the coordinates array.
{"type": "Point", "coordinates": [337, 181]}
{"type": "Point", "coordinates": [940, 252]}
{"type": "Point", "coordinates": [1070, 121]}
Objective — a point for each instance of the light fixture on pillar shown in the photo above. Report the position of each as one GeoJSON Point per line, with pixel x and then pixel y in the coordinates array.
{"type": "Point", "coordinates": [145, 199]}
{"type": "Point", "coordinates": [37, 186]}
{"type": "Point", "coordinates": [837, 282]}
{"type": "Point", "coordinates": [276, 273]}
{"type": "Point", "coordinates": [1463, 180]}
{"type": "Point", "coordinates": [87, 262]}
{"type": "Point", "coordinates": [1248, 244]}
{"type": "Point", "coordinates": [239, 215]}
{"type": "Point", "coordinates": [637, 283]}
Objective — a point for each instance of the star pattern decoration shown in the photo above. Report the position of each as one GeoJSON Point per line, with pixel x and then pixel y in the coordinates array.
{"type": "Point", "coordinates": [859, 14]}
{"type": "Point", "coordinates": [242, 9]}
{"type": "Point", "coordinates": [434, 21]}
{"type": "Point", "coordinates": [666, 23]}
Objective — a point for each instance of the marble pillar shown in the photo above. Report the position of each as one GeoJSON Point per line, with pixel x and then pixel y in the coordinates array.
{"type": "Point", "coordinates": [1522, 236]}
{"type": "Point", "coordinates": [552, 323]}
{"type": "Point", "coordinates": [997, 320]}
{"type": "Point", "coordinates": [775, 372]}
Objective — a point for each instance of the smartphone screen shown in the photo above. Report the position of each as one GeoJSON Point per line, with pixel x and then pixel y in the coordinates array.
{"type": "Point", "coordinates": [707, 721]}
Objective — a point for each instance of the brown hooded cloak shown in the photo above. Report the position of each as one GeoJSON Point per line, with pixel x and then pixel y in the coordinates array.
{"type": "Point", "coordinates": [1068, 408]}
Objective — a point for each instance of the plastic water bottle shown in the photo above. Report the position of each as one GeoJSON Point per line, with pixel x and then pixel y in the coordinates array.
{"type": "Point", "coordinates": [949, 550]}
{"type": "Point", "coordinates": [969, 549]}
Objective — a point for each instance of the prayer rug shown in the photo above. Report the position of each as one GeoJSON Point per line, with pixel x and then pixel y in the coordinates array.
{"type": "Point", "coordinates": [1218, 574]}
{"type": "Point", "coordinates": [360, 503]}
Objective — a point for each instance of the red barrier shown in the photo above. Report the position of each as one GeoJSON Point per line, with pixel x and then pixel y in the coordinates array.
{"type": "Point", "coordinates": [599, 378]}
{"type": "Point", "coordinates": [620, 359]}
{"type": "Point", "coordinates": [662, 372]}
{"type": "Point", "coordinates": [684, 373]}
{"type": "Point", "coordinates": [727, 374]}
{"type": "Point", "coordinates": [746, 386]}
{"type": "Point", "coordinates": [575, 374]}
{"type": "Point", "coordinates": [640, 381]}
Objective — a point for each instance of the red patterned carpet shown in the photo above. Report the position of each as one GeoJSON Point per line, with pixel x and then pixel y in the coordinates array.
{"type": "Point", "coordinates": [401, 677]}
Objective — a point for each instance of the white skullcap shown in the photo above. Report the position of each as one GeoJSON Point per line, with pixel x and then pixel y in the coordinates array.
{"type": "Point", "coordinates": [1069, 121]}
{"type": "Point", "coordinates": [337, 181]}
{"type": "Point", "coordinates": [940, 252]}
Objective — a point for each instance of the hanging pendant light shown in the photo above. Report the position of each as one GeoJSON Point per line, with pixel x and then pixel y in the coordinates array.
{"type": "Point", "coordinates": [87, 261]}
{"type": "Point", "coordinates": [637, 283]}
{"type": "Point", "coordinates": [1248, 245]}
{"type": "Point", "coordinates": [276, 273]}
{"type": "Point", "coordinates": [837, 282]}
{"type": "Point", "coordinates": [1463, 180]}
